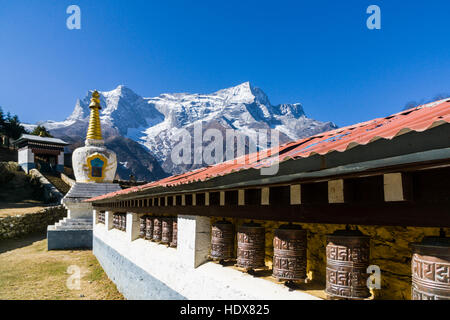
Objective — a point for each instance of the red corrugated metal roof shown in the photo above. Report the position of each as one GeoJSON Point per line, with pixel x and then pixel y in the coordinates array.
{"type": "Point", "coordinates": [416, 119]}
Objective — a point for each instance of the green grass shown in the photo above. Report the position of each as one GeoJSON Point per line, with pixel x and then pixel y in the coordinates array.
{"type": "Point", "coordinates": [29, 271]}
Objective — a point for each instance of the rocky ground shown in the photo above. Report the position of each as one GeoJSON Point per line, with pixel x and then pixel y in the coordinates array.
{"type": "Point", "coordinates": [19, 192]}
{"type": "Point", "coordinates": [28, 271]}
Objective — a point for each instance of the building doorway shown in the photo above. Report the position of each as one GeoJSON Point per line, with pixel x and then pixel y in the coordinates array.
{"type": "Point", "coordinates": [45, 162]}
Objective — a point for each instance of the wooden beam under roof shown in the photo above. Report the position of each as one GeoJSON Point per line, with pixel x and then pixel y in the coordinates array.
{"type": "Point", "coordinates": [386, 193]}
{"type": "Point", "coordinates": [386, 213]}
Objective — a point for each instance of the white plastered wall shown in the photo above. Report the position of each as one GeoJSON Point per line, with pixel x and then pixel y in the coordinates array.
{"type": "Point", "coordinates": [184, 269]}
{"type": "Point", "coordinates": [25, 155]}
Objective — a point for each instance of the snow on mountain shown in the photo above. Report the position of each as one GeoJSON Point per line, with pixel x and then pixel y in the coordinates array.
{"type": "Point", "coordinates": [154, 122]}
{"type": "Point", "coordinates": [121, 109]}
{"type": "Point", "coordinates": [242, 108]}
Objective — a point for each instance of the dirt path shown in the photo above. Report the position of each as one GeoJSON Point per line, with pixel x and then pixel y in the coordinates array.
{"type": "Point", "coordinates": [28, 271]}
{"type": "Point", "coordinates": [12, 209]}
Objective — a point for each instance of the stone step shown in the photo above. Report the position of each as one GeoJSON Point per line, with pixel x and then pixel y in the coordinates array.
{"type": "Point", "coordinates": [70, 222]}
{"type": "Point", "coordinates": [74, 223]}
{"type": "Point", "coordinates": [73, 228]}
{"type": "Point", "coordinates": [78, 219]}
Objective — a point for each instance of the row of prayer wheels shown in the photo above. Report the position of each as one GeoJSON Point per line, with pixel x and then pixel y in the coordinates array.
{"type": "Point", "coordinates": [290, 242]}
{"type": "Point", "coordinates": [101, 217]}
{"type": "Point", "coordinates": [120, 221]}
{"type": "Point", "coordinates": [159, 229]}
{"type": "Point", "coordinates": [348, 258]}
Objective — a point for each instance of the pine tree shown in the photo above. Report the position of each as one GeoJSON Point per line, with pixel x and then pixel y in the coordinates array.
{"type": "Point", "coordinates": [13, 127]}
{"type": "Point", "coordinates": [41, 131]}
{"type": "Point", "coordinates": [2, 121]}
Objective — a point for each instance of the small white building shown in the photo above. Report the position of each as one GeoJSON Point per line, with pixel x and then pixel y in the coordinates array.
{"type": "Point", "coordinates": [45, 154]}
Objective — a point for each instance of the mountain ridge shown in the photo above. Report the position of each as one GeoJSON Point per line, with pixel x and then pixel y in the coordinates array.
{"type": "Point", "coordinates": [153, 122]}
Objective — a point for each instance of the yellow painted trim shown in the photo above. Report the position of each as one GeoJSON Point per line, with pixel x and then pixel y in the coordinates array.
{"type": "Point", "coordinates": [89, 167]}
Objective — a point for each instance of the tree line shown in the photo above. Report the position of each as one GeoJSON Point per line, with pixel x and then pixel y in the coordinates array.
{"type": "Point", "coordinates": [11, 127]}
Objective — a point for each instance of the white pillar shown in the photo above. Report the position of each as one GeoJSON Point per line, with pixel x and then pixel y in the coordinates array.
{"type": "Point", "coordinates": [109, 220]}
{"type": "Point", "coordinates": [94, 217]}
{"type": "Point", "coordinates": [194, 238]}
{"type": "Point", "coordinates": [61, 158]}
{"type": "Point", "coordinates": [132, 226]}
{"type": "Point", "coordinates": [25, 158]}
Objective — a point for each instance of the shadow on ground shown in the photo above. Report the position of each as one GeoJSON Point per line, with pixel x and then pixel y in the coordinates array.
{"type": "Point", "coordinates": [11, 244]}
{"type": "Point", "coordinates": [22, 204]}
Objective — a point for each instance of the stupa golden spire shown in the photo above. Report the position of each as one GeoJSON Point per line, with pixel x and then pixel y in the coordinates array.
{"type": "Point", "coordinates": [95, 130]}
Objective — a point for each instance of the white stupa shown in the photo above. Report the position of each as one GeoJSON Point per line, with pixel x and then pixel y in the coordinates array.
{"type": "Point", "coordinates": [94, 167]}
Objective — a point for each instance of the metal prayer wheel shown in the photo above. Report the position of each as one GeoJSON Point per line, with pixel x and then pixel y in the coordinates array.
{"type": "Point", "coordinates": [174, 242]}
{"type": "Point", "coordinates": [348, 253]}
{"type": "Point", "coordinates": [157, 229]}
{"type": "Point", "coordinates": [222, 240]}
{"type": "Point", "coordinates": [148, 228]}
{"type": "Point", "coordinates": [289, 248]}
{"type": "Point", "coordinates": [101, 217]}
{"type": "Point", "coordinates": [115, 221]}
{"type": "Point", "coordinates": [142, 226]}
{"type": "Point", "coordinates": [250, 249]}
{"type": "Point", "coordinates": [123, 222]}
{"type": "Point", "coordinates": [431, 269]}
{"type": "Point", "coordinates": [166, 233]}
{"type": "Point", "coordinates": [119, 221]}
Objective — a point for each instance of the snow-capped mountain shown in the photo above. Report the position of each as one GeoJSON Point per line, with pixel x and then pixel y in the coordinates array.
{"type": "Point", "coordinates": [155, 122]}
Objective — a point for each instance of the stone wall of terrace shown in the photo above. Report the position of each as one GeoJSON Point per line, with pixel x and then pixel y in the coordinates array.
{"type": "Point", "coordinates": [20, 225]}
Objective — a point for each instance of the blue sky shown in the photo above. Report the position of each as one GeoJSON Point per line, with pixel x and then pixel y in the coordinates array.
{"type": "Point", "coordinates": [319, 53]}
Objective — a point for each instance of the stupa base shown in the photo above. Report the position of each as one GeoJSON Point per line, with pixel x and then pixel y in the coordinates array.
{"type": "Point", "coordinates": [68, 239]}
{"type": "Point", "coordinates": [75, 231]}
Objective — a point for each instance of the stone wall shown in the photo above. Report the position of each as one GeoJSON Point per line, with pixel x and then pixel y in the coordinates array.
{"type": "Point", "coordinates": [51, 194]}
{"type": "Point", "coordinates": [389, 249]}
{"type": "Point", "coordinates": [70, 182]}
{"type": "Point", "coordinates": [20, 225]}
